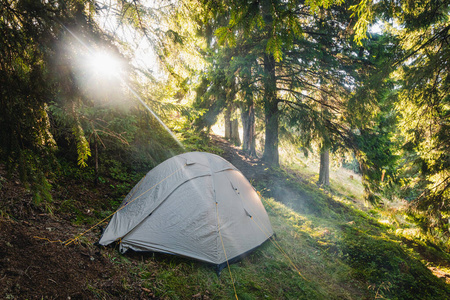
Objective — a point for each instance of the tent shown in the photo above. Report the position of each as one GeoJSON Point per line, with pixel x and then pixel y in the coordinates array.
{"type": "Point", "coordinates": [196, 205]}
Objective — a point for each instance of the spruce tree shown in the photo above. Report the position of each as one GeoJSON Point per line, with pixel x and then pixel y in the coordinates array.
{"type": "Point", "coordinates": [273, 33]}
{"type": "Point", "coordinates": [31, 32]}
{"type": "Point", "coordinates": [418, 70]}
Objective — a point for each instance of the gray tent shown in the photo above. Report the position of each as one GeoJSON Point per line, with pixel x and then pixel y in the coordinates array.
{"type": "Point", "coordinates": [196, 205]}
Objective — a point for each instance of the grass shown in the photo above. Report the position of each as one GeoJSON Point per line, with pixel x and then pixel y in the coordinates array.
{"type": "Point", "coordinates": [329, 245]}
{"type": "Point", "coordinates": [386, 252]}
{"type": "Point", "coordinates": [342, 257]}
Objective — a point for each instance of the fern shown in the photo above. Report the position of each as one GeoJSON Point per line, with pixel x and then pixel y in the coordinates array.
{"type": "Point", "coordinates": [83, 148]}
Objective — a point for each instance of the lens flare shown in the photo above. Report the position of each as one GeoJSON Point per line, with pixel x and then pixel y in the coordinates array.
{"type": "Point", "coordinates": [95, 71]}
{"type": "Point", "coordinates": [105, 64]}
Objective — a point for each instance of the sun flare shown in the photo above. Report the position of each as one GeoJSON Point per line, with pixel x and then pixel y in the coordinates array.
{"type": "Point", "coordinates": [104, 64]}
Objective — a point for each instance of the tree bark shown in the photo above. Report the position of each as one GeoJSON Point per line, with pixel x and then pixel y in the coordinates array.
{"type": "Point", "coordinates": [235, 139]}
{"type": "Point", "coordinates": [231, 126]}
{"type": "Point", "coordinates": [270, 155]}
{"type": "Point", "coordinates": [228, 123]}
{"type": "Point", "coordinates": [324, 170]}
{"type": "Point", "coordinates": [248, 129]}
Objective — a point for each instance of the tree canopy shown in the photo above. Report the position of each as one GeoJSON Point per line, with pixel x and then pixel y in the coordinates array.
{"type": "Point", "coordinates": [313, 72]}
{"type": "Point", "coordinates": [411, 126]}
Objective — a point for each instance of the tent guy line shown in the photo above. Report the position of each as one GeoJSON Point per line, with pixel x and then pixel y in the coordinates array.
{"type": "Point", "coordinates": [180, 216]}
{"type": "Point", "coordinates": [224, 251]}
{"type": "Point", "coordinates": [68, 242]}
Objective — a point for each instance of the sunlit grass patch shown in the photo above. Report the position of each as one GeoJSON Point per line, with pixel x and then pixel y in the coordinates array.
{"type": "Point", "coordinates": [359, 245]}
{"type": "Point", "coordinates": [347, 182]}
{"type": "Point", "coordinates": [312, 256]}
{"type": "Point", "coordinates": [410, 233]}
{"type": "Point", "coordinates": [307, 240]}
{"type": "Point", "coordinates": [324, 247]}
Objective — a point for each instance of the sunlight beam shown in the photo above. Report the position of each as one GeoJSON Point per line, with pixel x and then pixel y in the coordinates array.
{"type": "Point", "coordinates": [104, 63]}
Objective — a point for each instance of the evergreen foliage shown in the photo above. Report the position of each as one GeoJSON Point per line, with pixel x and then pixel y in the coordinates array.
{"type": "Point", "coordinates": [307, 70]}
{"type": "Point", "coordinates": [53, 108]}
{"type": "Point", "coordinates": [419, 83]}
{"type": "Point", "coordinates": [293, 53]}
{"type": "Point", "coordinates": [30, 31]}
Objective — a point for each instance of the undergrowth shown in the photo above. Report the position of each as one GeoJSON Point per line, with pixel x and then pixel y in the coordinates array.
{"type": "Point", "coordinates": [325, 247]}
{"type": "Point", "coordinates": [351, 257]}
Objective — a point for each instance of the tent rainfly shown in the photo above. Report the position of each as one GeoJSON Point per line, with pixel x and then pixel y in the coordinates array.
{"type": "Point", "coordinates": [196, 205]}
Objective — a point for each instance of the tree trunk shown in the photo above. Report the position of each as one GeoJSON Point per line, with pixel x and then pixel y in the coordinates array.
{"type": "Point", "coordinates": [248, 128]}
{"type": "Point", "coordinates": [270, 155]}
{"type": "Point", "coordinates": [232, 126]}
{"type": "Point", "coordinates": [324, 170]}
{"type": "Point", "coordinates": [235, 139]}
{"type": "Point", "coordinates": [228, 123]}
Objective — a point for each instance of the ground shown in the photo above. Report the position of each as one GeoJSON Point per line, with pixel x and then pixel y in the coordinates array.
{"type": "Point", "coordinates": [255, 171]}
{"type": "Point", "coordinates": [35, 263]}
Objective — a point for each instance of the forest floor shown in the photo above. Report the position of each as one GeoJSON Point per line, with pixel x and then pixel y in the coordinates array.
{"type": "Point", "coordinates": [275, 184]}
{"type": "Point", "coordinates": [35, 263]}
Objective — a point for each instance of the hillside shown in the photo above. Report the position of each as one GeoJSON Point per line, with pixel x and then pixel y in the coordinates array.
{"type": "Point", "coordinates": [325, 248]}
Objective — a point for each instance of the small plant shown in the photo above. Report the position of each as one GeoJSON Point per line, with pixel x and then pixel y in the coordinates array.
{"type": "Point", "coordinates": [2, 181]}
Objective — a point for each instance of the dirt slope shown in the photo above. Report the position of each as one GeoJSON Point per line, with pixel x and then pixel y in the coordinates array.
{"type": "Point", "coordinates": [34, 264]}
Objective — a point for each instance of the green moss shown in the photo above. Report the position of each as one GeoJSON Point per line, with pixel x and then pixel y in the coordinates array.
{"type": "Point", "coordinates": [387, 268]}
